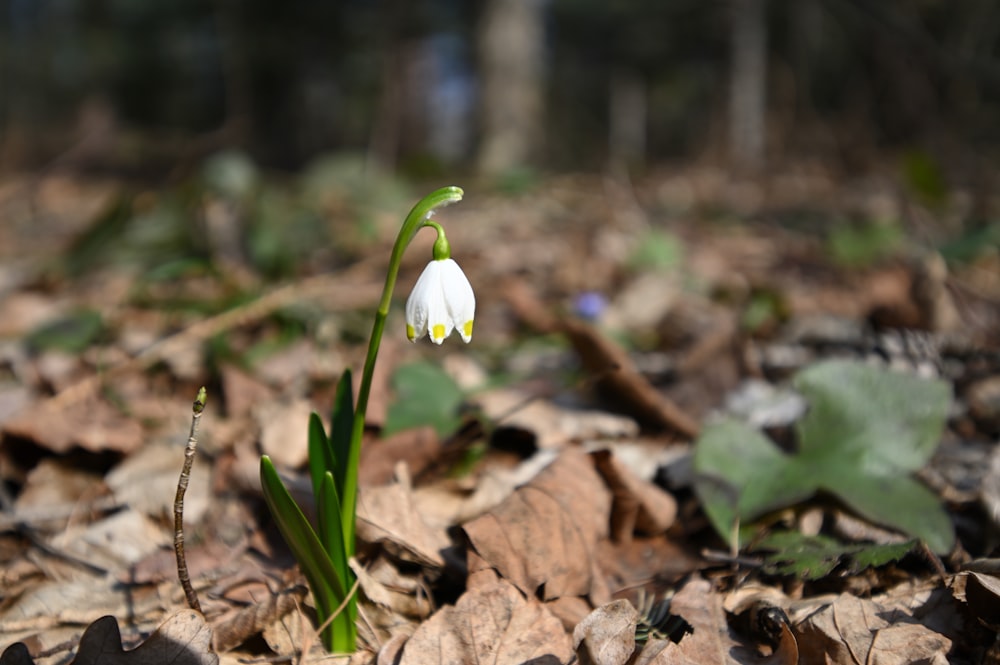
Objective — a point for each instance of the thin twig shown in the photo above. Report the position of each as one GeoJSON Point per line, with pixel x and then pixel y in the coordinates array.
{"type": "Point", "coordinates": [182, 484]}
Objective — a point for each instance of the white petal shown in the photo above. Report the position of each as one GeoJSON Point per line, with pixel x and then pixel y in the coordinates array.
{"type": "Point", "coordinates": [442, 300]}
{"type": "Point", "coordinates": [459, 298]}
{"type": "Point", "coordinates": [417, 308]}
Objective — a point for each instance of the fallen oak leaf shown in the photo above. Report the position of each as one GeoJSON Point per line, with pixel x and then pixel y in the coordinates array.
{"type": "Point", "coordinates": [489, 624]}
{"type": "Point", "coordinates": [234, 629]}
{"type": "Point", "coordinates": [638, 504]}
{"type": "Point", "coordinates": [182, 639]}
{"type": "Point", "coordinates": [711, 641]}
{"type": "Point", "coordinates": [850, 630]}
{"type": "Point", "coordinates": [607, 635]}
{"type": "Point", "coordinates": [387, 515]}
{"type": "Point", "coordinates": [16, 654]}
{"type": "Point", "coordinates": [545, 534]}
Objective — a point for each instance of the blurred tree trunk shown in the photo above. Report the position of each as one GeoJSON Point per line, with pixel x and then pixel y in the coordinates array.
{"type": "Point", "coordinates": [510, 45]}
{"type": "Point", "coordinates": [747, 85]}
{"type": "Point", "coordinates": [627, 120]}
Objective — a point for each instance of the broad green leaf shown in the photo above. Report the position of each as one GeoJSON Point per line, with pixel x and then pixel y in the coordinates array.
{"type": "Point", "coordinates": [741, 473]}
{"type": "Point", "coordinates": [885, 421]}
{"type": "Point", "coordinates": [814, 557]}
{"type": "Point", "coordinates": [425, 395]}
{"type": "Point", "coordinates": [321, 573]}
{"type": "Point", "coordinates": [866, 430]}
{"type": "Point", "coordinates": [902, 503]}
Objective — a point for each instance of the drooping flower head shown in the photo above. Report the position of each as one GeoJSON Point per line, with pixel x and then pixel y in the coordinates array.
{"type": "Point", "coordinates": [442, 299]}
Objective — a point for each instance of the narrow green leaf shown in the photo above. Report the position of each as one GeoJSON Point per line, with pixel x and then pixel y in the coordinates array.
{"type": "Point", "coordinates": [342, 423]}
{"type": "Point", "coordinates": [328, 588]}
{"type": "Point", "coordinates": [321, 457]}
{"type": "Point", "coordinates": [328, 512]}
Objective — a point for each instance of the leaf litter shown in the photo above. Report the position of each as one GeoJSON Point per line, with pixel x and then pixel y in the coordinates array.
{"type": "Point", "coordinates": [520, 521]}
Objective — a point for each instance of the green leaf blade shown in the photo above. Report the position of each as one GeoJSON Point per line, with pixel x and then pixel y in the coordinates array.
{"type": "Point", "coordinates": [890, 421]}
{"type": "Point", "coordinates": [329, 513]}
{"type": "Point", "coordinates": [321, 454]}
{"type": "Point", "coordinates": [903, 504]}
{"type": "Point", "coordinates": [741, 474]}
{"type": "Point", "coordinates": [321, 573]}
{"type": "Point", "coordinates": [341, 428]}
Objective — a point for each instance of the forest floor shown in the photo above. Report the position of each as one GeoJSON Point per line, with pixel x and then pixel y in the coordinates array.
{"type": "Point", "coordinates": [537, 495]}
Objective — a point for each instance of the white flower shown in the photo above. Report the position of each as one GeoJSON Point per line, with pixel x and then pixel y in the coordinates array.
{"type": "Point", "coordinates": [441, 301]}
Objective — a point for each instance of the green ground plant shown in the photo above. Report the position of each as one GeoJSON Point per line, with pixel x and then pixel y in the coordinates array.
{"type": "Point", "coordinates": [866, 431]}
{"type": "Point", "coordinates": [441, 301]}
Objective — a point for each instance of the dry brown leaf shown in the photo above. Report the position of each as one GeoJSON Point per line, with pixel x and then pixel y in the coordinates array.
{"type": "Point", "coordinates": [546, 533]}
{"type": "Point", "coordinates": [241, 391]}
{"type": "Point", "coordinates": [607, 635]}
{"type": "Point", "coordinates": [552, 426]}
{"type": "Point", "coordinates": [710, 642]}
{"type": "Point", "coordinates": [234, 629]}
{"type": "Point", "coordinates": [850, 631]}
{"type": "Point", "coordinates": [183, 639]}
{"type": "Point", "coordinates": [53, 483]}
{"type": "Point", "coordinates": [284, 431]}
{"type": "Point", "coordinates": [388, 515]}
{"type": "Point", "coordinates": [456, 501]}
{"type": "Point", "coordinates": [634, 563]}
{"type": "Point", "coordinates": [493, 624]}
{"type": "Point", "coordinates": [115, 542]}
{"type": "Point", "coordinates": [416, 447]}
{"type": "Point", "coordinates": [908, 643]}
{"type": "Point", "coordinates": [982, 593]}
{"type": "Point", "coordinates": [93, 425]}
{"type": "Point", "coordinates": [638, 505]}
{"type": "Point", "coordinates": [147, 481]}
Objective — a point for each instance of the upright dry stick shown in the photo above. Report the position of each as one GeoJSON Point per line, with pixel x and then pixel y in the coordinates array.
{"type": "Point", "coordinates": [182, 484]}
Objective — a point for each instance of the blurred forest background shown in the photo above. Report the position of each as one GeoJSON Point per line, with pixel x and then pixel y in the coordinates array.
{"type": "Point", "coordinates": [431, 87]}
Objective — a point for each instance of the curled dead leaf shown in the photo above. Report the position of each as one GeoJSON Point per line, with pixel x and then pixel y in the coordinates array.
{"type": "Point", "coordinates": [607, 635]}
{"type": "Point", "coordinates": [489, 624]}
{"type": "Point", "coordinates": [853, 629]}
{"type": "Point", "coordinates": [637, 504]}
{"type": "Point", "coordinates": [182, 639]}
{"type": "Point", "coordinates": [387, 515]}
{"type": "Point", "coordinates": [544, 535]}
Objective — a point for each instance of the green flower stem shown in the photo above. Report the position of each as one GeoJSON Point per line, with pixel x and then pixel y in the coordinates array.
{"type": "Point", "coordinates": [417, 218]}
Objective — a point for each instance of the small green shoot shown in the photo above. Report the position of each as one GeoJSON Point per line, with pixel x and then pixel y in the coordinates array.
{"type": "Point", "coordinates": [867, 430]}
{"type": "Point", "coordinates": [425, 395]}
{"type": "Point", "coordinates": [72, 333]}
{"type": "Point", "coordinates": [859, 246]}
{"type": "Point", "coordinates": [657, 250]}
{"type": "Point", "coordinates": [790, 553]}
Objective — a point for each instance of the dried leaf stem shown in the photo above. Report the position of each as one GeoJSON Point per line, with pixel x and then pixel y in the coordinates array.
{"type": "Point", "coordinates": [182, 484]}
